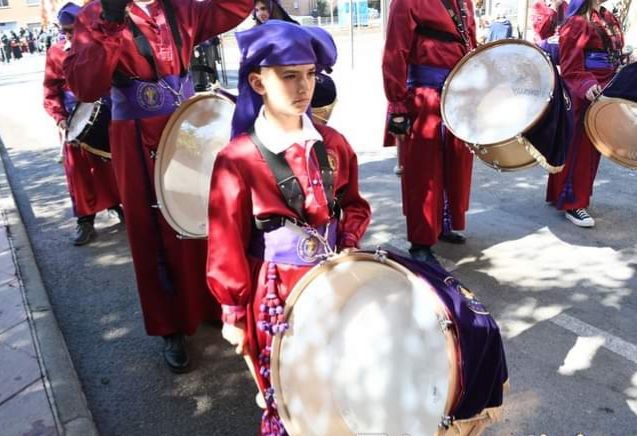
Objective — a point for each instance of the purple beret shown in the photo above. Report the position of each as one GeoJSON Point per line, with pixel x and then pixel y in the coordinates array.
{"type": "Point", "coordinates": [67, 14]}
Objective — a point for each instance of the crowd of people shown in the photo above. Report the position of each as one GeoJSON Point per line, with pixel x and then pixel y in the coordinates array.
{"type": "Point", "coordinates": [285, 190]}
{"type": "Point", "coordinates": [14, 46]}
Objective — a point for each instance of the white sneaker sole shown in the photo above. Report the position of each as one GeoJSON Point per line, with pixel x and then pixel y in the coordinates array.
{"type": "Point", "coordinates": [586, 223]}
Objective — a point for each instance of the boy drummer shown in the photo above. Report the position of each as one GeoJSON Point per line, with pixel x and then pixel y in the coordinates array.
{"type": "Point", "coordinates": [283, 193]}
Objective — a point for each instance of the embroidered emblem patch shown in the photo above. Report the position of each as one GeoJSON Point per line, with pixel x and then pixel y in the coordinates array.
{"type": "Point", "coordinates": [332, 159]}
{"type": "Point", "coordinates": [150, 97]}
{"type": "Point", "coordinates": [308, 248]}
{"type": "Point", "coordinates": [469, 297]}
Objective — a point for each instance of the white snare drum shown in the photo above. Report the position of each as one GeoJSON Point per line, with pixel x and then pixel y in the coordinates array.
{"type": "Point", "coordinates": [365, 352]}
{"type": "Point", "coordinates": [189, 144]}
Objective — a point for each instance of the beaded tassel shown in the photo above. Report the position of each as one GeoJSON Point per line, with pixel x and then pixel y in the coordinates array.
{"type": "Point", "coordinates": [446, 216]}
{"type": "Point", "coordinates": [271, 320]}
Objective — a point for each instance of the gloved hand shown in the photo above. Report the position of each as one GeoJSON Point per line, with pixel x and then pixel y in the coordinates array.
{"type": "Point", "coordinates": [114, 10]}
{"type": "Point", "coordinates": [398, 124]}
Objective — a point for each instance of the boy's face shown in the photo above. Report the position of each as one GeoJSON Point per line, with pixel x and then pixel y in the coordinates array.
{"type": "Point", "coordinates": [261, 12]}
{"type": "Point", "coordinates": [286, 90]}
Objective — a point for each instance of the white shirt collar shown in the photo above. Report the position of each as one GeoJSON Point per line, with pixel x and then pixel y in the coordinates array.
{"type": "Point", "coordinates": [276, 140]}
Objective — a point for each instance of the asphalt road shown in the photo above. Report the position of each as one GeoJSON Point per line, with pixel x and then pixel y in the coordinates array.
{"type": "Point", "coordinates": [565, 298]}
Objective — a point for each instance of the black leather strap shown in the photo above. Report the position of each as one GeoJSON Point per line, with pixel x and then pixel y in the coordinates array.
{"type": "Point", "coordinates": [438, 35]}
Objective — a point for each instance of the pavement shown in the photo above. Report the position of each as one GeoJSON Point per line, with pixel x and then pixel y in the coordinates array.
{"type": "Point", "coordinates": [40, 393]}
{"type": "Point", "coordinates": [565, 298]}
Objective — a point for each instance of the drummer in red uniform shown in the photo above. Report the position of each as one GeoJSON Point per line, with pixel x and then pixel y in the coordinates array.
{"type": "Point", "coordinates": [425, 39]}
{"type": "Point", "coordinates": [547, 18]}
{"type": "Point", "coordinates": [142, 50]}
{"type": "Point", "coordinates": [591, 44]}
{"type": "Point", "coordinates": [283, 192]}
{"type": "Point", "coordinates": [90, 179]}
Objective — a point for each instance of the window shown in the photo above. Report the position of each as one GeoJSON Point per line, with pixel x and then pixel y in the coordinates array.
{"type": "Point", "coordinates": [4, 3]}
{"type": "Point", "coordinates": [32, 2]}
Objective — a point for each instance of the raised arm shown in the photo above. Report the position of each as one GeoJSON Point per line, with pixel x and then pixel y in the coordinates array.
{"type": "Point", "coordinates": [215, 17]}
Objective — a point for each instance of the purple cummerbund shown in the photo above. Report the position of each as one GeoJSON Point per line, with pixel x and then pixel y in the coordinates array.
{"type": "Point", "coordinates": [426, 76]}
{"type": "Point", "coordinates": [142, 99]}
{"type": "Point", "coordinates": [292, 245]}
{"type": "Point", "coordinates": [597, 60]}
{"type": "Point", "coordinates": [69, 101]}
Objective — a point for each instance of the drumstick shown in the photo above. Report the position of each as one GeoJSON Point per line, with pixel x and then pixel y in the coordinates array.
{"type": "Point", "coordinates": [260, 400]}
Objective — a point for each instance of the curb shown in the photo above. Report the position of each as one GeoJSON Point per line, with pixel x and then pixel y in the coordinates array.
{"type": "Point", "coordinates": [63, 387]}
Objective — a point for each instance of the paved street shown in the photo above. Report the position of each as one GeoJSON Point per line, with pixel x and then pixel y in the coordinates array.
{"type": "Point", "coordinates": [565, 298]}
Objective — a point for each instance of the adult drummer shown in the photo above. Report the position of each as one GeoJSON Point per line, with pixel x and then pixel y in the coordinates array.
{"type": "Point", "coordinates": [591, 44]}
{"type": "Point", "coordinates": [425, 39]}
{"type": "Point", "coordinates": [90, 179]}
{"type": "Point", "coordinates": [142, 49]}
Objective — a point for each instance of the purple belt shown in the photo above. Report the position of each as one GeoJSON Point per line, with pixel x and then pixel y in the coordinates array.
{"type": "Point", "coordinates": [426, 76]}
{"type": "Point", "coordinates": [69, 101]}
{"type": "Point", "coordinates": [552, 49]}
{"type": "Point", "coordinates": [292, 246]}
{"type": "Point", "coordinates": [150, 99]}
{"type": "Point", "coordinates": [598, 60]}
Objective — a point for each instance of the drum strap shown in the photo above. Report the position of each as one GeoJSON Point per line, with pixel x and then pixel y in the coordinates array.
{"type": "Point", "coordinates": [289, 185]}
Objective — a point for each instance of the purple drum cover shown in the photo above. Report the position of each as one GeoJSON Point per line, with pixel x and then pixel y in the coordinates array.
{"type": "Point", "coordinates": [624, 84]}
{"type": "Point", "coordinates": [553, 134]}
{"type": "Point", "coordinates": [484, 370]}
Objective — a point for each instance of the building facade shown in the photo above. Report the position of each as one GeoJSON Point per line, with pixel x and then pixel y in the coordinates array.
{"type": "Point", "coordinates": [15, 14]}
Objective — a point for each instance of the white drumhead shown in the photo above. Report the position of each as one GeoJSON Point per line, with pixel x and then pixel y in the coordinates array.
{"type": "Point", "coordinates": [79, 120]}
{"type": "Point", "coordinates": [365, 353]}
{"type": "Point", "coordinates": [497, 92]}
{"type": "Point", "coordinates": [189, 144]}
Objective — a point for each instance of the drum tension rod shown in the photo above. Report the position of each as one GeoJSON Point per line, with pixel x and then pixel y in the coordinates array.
{"type": "Point", "coordinates": [153, 154]}
{"type": "Point", "coordinates": [445, 324]}
{"type": "Point", "coordinates": [446, 422]}
{"type": "Point", "coordinates": [380, 254]}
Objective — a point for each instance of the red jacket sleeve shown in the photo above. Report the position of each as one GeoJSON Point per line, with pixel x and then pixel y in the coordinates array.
{"type": "Point", "coordinates": [356, 211]}
{"type": "Point", "coordinates": [574, 38]}
{"type": "Point", "coordinates": [54, 84]}
{"type": "Point", "coordinates": [401, 27]}
{"type": "Point", "coordinates": [229, 232]}
{"type": "Point", "coordinates": [544, 20]}
{"type": "Point", "coordinates": [215, 17]}
{"type": "Point", "coordinates": [94, 54]}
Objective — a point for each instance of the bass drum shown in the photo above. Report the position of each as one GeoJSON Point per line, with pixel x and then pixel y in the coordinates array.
{"type": "Point", "coordinates": [611, 121]}
{"type": "Point", "coordinates": [189, 144]}
{"type": "Point", "coordinates": [506, 101]}
{"type": "Point", "coordinates": [374, 347]}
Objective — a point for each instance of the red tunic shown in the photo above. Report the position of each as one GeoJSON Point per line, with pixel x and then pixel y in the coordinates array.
{"type": "Point", "coordinates": [90, 179]}
{"type": "Point", "coordinates": [98, 50]}
{"type": "Point", "coordinates": [435, 165]}
{"type": "Point", "coordinates": [573, 187]}
{"type": "Point", "coordinates": [546, 20]}
{"type": "Point", "coordinates": [242, 188]}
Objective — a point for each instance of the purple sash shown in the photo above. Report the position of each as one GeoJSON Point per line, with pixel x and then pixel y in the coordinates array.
{"type": "Point", "coordinates": [292, 246]}
{"type": "Point", "coordinates": [553, 50]}
{"type": "Point", "coordinates": [597, 60]}
{"type": "Point", "coordinates": [69, 101]}
{"type": "Point", "coordinates": [150, 99]}
{"type": "Point", "coordinates": [426, 76]}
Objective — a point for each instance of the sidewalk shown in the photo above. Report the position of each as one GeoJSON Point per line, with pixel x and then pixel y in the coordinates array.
{"type": "Point", "coordinates": [40, 394]}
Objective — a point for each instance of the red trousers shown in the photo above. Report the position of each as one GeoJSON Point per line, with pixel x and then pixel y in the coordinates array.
{"type": "Point", "coordinates": [91, 181]}
{"type": "Point", "coordinates": [437, 168]}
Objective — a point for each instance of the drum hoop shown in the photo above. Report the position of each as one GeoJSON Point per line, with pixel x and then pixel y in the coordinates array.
{"type": "Point", "coordinates": [470, 55]}
{"type": "Point", "coordinates": [97, 106]}
{"type": "Point", "coordinates": [159, 187]}
{"type": "Point", "coordinates": [298, 290]}
{"type": "Point", "coordinates": [591, 132]}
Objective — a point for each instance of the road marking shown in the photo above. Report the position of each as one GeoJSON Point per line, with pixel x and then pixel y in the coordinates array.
{"type": "Point", "coordinates": [613, 343]}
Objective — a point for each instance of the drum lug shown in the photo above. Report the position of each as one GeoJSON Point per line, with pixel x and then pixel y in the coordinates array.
{"type": "Point", "coordinates": [480, 148]}
{"type": "Point", "coordinates": [446, 422]}
{"type": "Point", "coordinates": [380, 254]}
{"type": "Point", "coordinates": [445, 324]}
{"type": "Point", "coordinates": [156, 206]}
{"type": "Point", "coordinates": [496, 166]}
{"type": "Point", "coordinates": [153, 154]}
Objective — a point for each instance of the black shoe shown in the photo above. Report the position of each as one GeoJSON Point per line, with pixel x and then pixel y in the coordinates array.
{"type": "Point", "coordinates": [117, 212]}
{"type": "Point", "coordinates": [84, 233]}
{"type": "Point", "coordinates": [453, 237]}
{"type": "Point", "coordinates": [175, 354]}
{"type": "Point", "coordinates": [422, 253]}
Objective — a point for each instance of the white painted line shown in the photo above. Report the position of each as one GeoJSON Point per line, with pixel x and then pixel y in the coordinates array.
{"type": "Point", "coordinates": [613, 343]}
